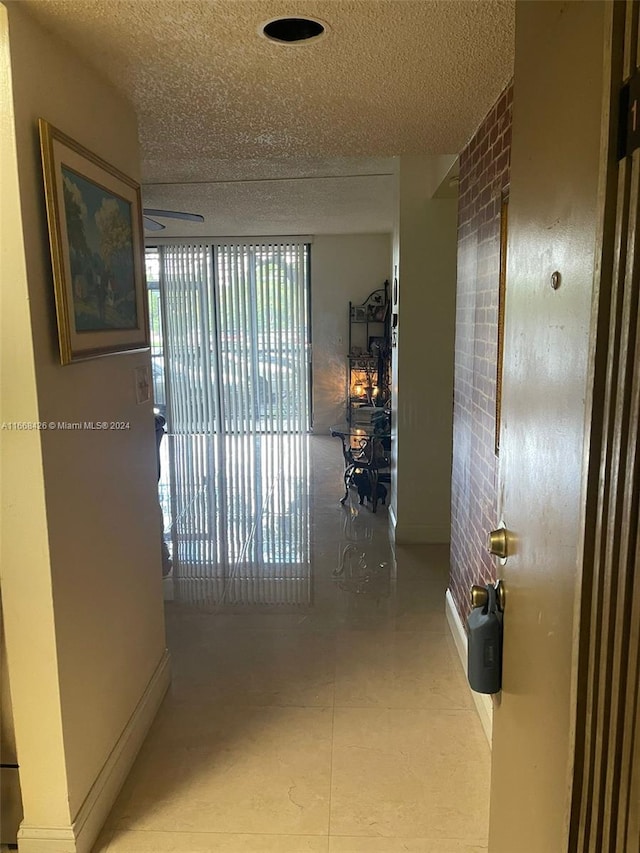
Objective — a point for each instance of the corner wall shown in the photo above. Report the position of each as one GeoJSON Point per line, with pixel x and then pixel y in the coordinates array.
{"type": "Point", "coordinates": [484, 179]}
{"type": "Point", "coordinates": [422, 361]}
{"type": "Point", "coordinates": [81, 564]}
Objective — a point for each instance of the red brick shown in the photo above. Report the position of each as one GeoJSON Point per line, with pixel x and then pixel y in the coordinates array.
{"type": "Point", "coordinates": [484, 177]}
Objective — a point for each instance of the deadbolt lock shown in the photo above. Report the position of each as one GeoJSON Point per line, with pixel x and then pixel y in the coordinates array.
{"type": "Point", "coordinates": [499, 543]}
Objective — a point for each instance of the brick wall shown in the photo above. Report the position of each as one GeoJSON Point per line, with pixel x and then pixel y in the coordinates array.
{"type": "Point", "coordinates": [484, 178]}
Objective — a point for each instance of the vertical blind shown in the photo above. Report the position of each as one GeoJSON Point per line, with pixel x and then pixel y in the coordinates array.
{"type": "Point", "coordinates": [235, 364]}
{"type": "Point", "coordinates": [237, 337]}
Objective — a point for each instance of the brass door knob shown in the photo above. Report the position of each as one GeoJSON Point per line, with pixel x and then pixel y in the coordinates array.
{"type": "Point", "coordinates": [499, 543]}
{"type": "Point", "coordinates": [479, 596]}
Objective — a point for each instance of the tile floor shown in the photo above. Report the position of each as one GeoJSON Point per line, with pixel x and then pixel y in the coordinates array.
{"type": "Point", "coordinates": [339, 722]}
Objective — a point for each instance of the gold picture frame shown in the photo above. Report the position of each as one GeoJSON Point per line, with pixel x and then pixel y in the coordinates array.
{"type": "Point", "coordinates": [94, 213]}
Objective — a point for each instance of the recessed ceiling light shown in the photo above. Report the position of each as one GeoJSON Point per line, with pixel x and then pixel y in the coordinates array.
{"type": "Point", "coordinates": [293, 30]}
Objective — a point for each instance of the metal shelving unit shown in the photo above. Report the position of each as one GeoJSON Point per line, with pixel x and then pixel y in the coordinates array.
{"type": "Point", "coordinates": [369, 357]}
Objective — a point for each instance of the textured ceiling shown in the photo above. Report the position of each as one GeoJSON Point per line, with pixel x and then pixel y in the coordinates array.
{"type": "Point", "coordinates": [218, 102]}
{"type": "Point", "coordinates": [289, 207]}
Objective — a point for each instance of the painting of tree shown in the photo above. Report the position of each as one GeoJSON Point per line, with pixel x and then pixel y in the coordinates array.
{"type": "Point", "coordinates": [99, 231]}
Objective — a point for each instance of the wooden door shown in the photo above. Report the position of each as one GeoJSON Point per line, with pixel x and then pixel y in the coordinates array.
{"type": "Point", "coordinates": [552, 276]}
{"type": "Point", "coordinates": [606, 791]}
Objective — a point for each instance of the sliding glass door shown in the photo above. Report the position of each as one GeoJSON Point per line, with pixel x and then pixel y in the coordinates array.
{"type": "Point", "coordinates": [236, 336]}
{"type": "Point", "coordinates": [230, 356]}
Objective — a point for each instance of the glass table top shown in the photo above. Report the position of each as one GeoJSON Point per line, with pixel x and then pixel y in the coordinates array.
{"type": "Point", "coordinates": [362, 430]}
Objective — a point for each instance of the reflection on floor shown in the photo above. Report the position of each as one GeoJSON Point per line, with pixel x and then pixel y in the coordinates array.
{"type": "Point", "coordinates": [242, 513]}
{"type": "Point", "coordinates": [317, 703]}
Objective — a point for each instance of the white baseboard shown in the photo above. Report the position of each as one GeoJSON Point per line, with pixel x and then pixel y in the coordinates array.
{"type": "Point", "coordinates": [81, 835]}
{"type": "Point", "coordinates": [483, 702]}
{"type": "Point", "coordinates": [422, 534]}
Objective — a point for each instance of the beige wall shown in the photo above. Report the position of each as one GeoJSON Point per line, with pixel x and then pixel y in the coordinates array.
{"type": "Point", "coordinates": [425, 253]}
{"type": "Point", "coordinates": [81, 568]}
{"type": "Point", "coordinates": [344, 268]}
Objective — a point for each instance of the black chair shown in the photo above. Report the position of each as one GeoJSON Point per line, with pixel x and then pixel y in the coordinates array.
{"type": "Point", "coordinates": [371, 453]}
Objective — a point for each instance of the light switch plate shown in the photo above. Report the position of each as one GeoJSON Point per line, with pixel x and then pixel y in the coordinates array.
{"type": "Point", "coordinates": [143, 384]}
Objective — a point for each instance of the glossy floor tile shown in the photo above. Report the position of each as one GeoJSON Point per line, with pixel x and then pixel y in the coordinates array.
{"type": "Point", "coordinates": [338, 844]}
{"type": "Point", "coordinates": [205, 842]}
{"type": "Point", "coordinates": [408, 669]}
{"type": "Point", "coordinates": [317, 703]}
{"type": "Point", "coordinates": [210, 768]}
{"type": "Point", "coordinates": [419, 773]}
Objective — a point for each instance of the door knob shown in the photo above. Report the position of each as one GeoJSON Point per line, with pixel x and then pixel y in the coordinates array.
{"type": "Point", "coordinates": [499, 543]}
{"type": "Point", "coordinates": [479, 595]}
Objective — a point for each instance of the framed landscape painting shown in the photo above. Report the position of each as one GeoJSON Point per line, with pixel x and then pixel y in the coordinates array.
{"type": "Point", "coordinates": [95, 232]}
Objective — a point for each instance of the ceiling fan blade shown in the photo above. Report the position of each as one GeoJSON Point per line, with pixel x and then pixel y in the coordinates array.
{"type": "Point", "coordinates": [174, 214]}
{"type": "Point", "coordinates": [152, 225]}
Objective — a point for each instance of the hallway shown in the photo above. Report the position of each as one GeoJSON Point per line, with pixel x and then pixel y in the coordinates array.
{"type": "Point", "coordinates": [334, 717]}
